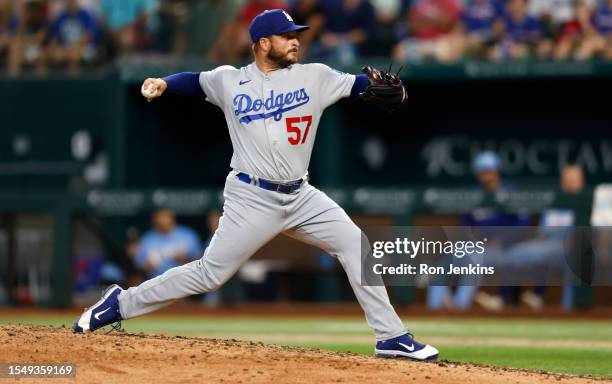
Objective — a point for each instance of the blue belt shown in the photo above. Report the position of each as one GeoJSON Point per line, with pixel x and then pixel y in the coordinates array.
{"type": "Point", "coordinates": [286, 188]}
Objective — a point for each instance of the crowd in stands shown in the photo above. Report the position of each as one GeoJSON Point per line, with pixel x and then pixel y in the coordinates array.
{"type": "Point", "coordinates": [73, 33]}
{"type": "Point", "coordinates": [517, 253]}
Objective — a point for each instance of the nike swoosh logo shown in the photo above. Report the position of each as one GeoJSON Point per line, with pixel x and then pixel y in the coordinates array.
{"type": "Point", "coordinates": [409, 348]}
{"type": "Point", "coordinates": [97, 315]}
{"type": "Point", "coordinates": [242, 82]}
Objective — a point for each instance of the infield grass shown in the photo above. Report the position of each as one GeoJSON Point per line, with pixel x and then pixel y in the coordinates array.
{"type": "Point", "coordinates": [568, 346]}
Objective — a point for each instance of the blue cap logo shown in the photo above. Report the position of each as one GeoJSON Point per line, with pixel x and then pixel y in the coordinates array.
{"type": "Point", "coordinates": [273, 22]}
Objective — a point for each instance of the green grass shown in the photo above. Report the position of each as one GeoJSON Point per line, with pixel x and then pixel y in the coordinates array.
{"type": "Point", "coordinates": [572, 360]}
{"type": "Point", "coordinates": [337, 334]}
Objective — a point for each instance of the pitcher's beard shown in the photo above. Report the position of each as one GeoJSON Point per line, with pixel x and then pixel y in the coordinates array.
{"type": "Point", "coordinates": [280, 59]}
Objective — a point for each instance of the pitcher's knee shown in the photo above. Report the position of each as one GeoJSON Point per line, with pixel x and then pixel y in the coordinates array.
{"type": "Point", "coordinates": [349, 243]}
{"type": "Point", "coordinates": [211, 279]}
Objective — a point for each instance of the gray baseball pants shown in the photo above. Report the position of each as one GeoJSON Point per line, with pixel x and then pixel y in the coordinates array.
{"type": "Point", "coordinates": [252, 216]}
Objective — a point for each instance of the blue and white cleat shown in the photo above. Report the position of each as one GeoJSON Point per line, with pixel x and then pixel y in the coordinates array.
{"type": "Point", "coordinates": [405, 346]}
{"type": "Point", "coordinates": [104, 312]}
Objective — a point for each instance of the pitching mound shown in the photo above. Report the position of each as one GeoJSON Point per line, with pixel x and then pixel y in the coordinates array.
{"type": "Point", "coordinates": [141, 358]}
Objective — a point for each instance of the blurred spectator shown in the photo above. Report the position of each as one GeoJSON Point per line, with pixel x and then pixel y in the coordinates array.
{"type": "Point", "coordinates": [347, 27]}
{"type": "Point", "coordinates": [6, 15]}
{"type": "Point", "coordinates": [556, 12]}
{"type": "Point", "coordinates": [208, 23]}
{"type": "Point", "coordinates": [548, 248]}
{"type": "Point", "coordinates": [487, 171]}
{"type": "Point", "coordinates": [58, 6]}
{"type": "Point", "coordinates": [310, 13]}
{"type": "Point", "coordinates": [572, 179]}
{"type": "Point", "coordinates": [132, 243]}
{"type": "Point", "coordinates": [162, 27]}
{"type": "Point", "coordinates": [135, 275]}
{"type": "Point", "coordinates": [575, 202]}
{"type": "Point", "coordinates": [486, 168]}
{"type": "Point", "coordinates": [384, 36]}
{"type": "Point", "coordinates": [29, 29]}
{"type": "Point", "coordinates": [235, 42]}
{"type": "Point", "coordinates": [167, 245]}
{"type": "Point", "coordinates": [553, 14]}
{"type": "Point", "coordinates": [603, 22]}
{"type": "Point", "coordinates": [79, 32]}
{"type": "Point", "coordinates": [386, 10]}
{"type": "Point", "coordinates": [74, 37]}
{"type": "Point", "coordinates": [522, 35]}
{"type": "Point", "coordinates": [213, 218]}
{"type": "Point", "coordinates": [126, 21]}
{"type": "Point", "coordinates": [481, 26]}
{"type": "Point", "coordinates": [578, 37]}
{"type": "Point", "coordinates": [432, 27]}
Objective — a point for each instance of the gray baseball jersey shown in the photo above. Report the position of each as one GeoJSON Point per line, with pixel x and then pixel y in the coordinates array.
{"type": "Point", "coordinates": [272, 120]}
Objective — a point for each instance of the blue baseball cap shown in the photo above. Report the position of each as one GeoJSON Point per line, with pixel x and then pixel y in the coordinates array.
{"type": "Point", "coordinates": [486, 161]}
{"type": "Point", "coordinates": [273, 22]}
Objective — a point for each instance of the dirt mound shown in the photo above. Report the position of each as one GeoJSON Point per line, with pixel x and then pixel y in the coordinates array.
{"type": "Point", "coordinates": [122, 357]}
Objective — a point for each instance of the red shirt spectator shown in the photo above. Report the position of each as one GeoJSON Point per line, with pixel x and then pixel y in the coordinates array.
{"type": "Point", "coordinates": [255, 7]}
{"type": "Point", "coordinates": [430, 19]}
{"type": "Point", "coordinates": [581, 23]}
{"type": "Point", "coordinates": [571, 29]}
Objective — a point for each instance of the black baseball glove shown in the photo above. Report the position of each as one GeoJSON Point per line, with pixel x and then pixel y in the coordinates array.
{"type": "Point", "coordinates": [385, 89]}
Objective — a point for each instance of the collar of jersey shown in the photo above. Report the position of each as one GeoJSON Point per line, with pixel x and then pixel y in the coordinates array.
{"type": "Point", "coordinates": [255, 70]}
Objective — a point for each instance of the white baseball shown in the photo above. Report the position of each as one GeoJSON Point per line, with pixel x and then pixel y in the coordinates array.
{"type": "Point", "coordinates": [149, 92]}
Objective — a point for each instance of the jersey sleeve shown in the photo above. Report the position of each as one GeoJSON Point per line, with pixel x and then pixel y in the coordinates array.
{"type": "Point", "coordinates": [333, 85]}
{"type": "Point", "coordinates": [212, 83]}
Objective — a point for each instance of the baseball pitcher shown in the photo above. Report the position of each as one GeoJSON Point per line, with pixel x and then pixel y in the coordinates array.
{"type": "Point", "coordinates": [272, 108]}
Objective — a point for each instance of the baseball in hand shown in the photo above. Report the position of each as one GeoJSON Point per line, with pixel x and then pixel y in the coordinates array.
{"type": "Point", "coordinates": [149, 92]}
